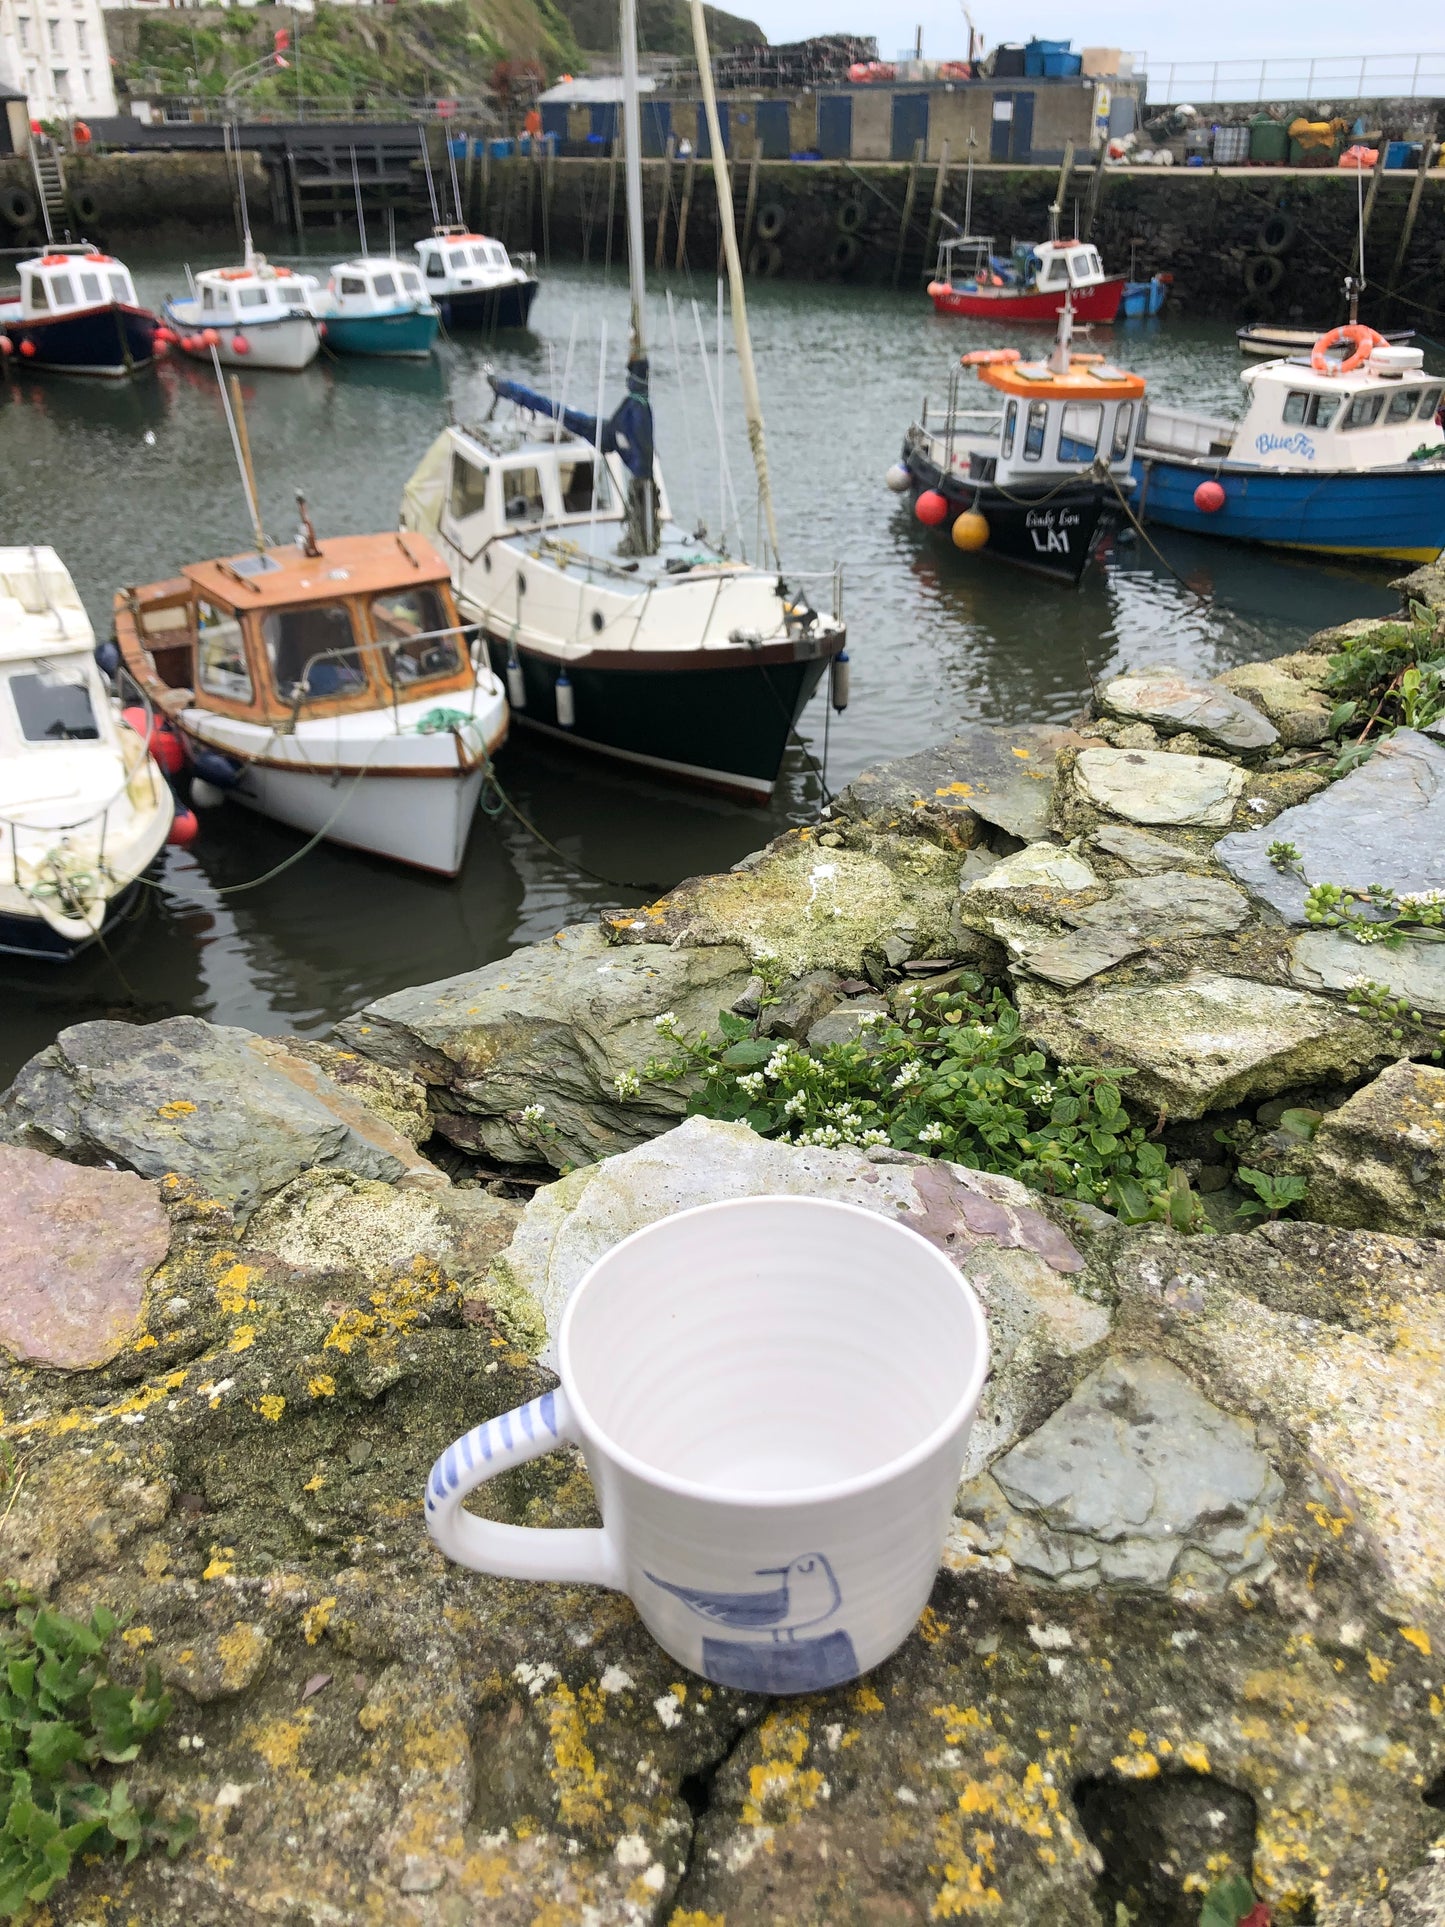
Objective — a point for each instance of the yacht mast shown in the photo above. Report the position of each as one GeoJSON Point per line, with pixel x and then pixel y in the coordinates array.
{"type": "Point", "coordinates": [747, 374]}
{"type": "Point", "coordinates": [642, 529]}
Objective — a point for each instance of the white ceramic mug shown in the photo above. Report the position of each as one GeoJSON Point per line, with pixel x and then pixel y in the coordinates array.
{"type": "Point", "coordinates": [772, 1396]}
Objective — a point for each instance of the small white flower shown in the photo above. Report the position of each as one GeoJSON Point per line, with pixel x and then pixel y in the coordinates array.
{"type": "Point", "coordinates": [753, 1082]}
{"type": "Point", "coordinates": [868, 1018]}
{"type": "Point", "coordinates": [626, 1084]}
{"type": "Point", "coordinates": [764, 955]}
{"type": "Point", "coordinates": [534, 1113]}
{"type": "Point", "coordinates": [1042, 1094]}
{"type": "Point", "coordinates": [778, 1062]}
{"type": "Point", "coordinates": [910, 1073]}
{"type": "Point", "coordinates": [874, 1137]}
{"type": "Point", "coordinates": [666, 1023]}
{"type": "Point", "coordinates": [931, 1134]}
{"type": "Point", "coordinates": [1417, 899]}
{"type": "Point", "coordinates": [796, 1104]}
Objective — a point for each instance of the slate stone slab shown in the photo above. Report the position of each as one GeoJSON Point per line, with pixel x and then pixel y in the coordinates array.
{"type": "Point", "coordinates": [1072, 960]}
{"type": "Point", "coordinates": [1042, 866]}
{"type": "Point", "coordinates": [1141, 851]}
{"type": "Point", "coordinates": [1003, 776]}
{"type": "Point", "coordinates": [1168, 907]}
{"type": "Point", "coordinates": [1378, 1162]}
{"type": "Point", "coordinates": [212, 1102]}
{"type": "Point", "coordinates": [76, 1249]}
{"type": "Point", "coordinates": [1329, 960]}
{"type": "Point", "coordinates": [1173, 703]}
{"type": "Point", "coordinates": [1153, 786]}
{"type": "Point", "coordinates": [1203, 1043]}
{"type": "Point", "coordinates": [1383, 823]}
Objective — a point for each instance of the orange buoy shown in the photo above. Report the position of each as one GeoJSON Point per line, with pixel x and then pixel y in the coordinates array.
{"type": "Point", "coordinates": [184, 830]}
{"type": "Point", "coordinates": [27, 348]}
{"type": "Point", "coordinates": [1365, 341]}
{"type": "Point", "coordinates": [970, 531]}
{"type": "Point", "coordinates": [931, 508]}
{"type": "Point", "coordinates": [987, 357]}
{"type": "Point", "coordinates": [1209, 498]}
{"type": "Point", "coordinates": [240, 344]}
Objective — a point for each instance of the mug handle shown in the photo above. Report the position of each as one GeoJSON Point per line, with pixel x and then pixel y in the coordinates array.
{"type": "Point", "coordinates": [580, 1555]}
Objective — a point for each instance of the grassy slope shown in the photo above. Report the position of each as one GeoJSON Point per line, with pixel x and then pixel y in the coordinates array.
{"type": "Point", "coordinates": [663, 26]}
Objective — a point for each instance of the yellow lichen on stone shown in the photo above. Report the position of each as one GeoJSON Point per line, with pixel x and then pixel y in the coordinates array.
{"type": "Point", "coordinates": [279, 1741]}
{"type": "Point", "coordinates": [695, 1917]}
{"type": "Point", "coordinates": [178, 1107]}
{"type": "Point", "coordinates": [867, 1701]}
{"type": "Point", "coordinates": [243, 1338]}
{"type": "Point", "coordinates": [317, 1618]}
{"type": "Point", "coordinates": [582, 1786]}
{"type": "Point", "coordinates": [233, 1288]}
{"type": "Point", "coordinates": [1379, 1668]}
{"type": "Point", "coordinates": [1195, 1756]}
{"type": "Point", "coordinates": [930, 1627]}
{"type": "Point", "coordinates": [396, 1307]}
{"type": "Point", "coordinates": [223, 1559]}
{"type": "Point", "coordinates": [322, 1386]}
{"type": "Point", "coordinates": [1135, 1766]}
{"type": "Point", "coordinates": [271, 1406]}
{"type": "Point", "coordinates": [146, 1343]}
{"type": "Point", "coordinates": [242, 1651]}
{"type": "Point", "coordinates": [1417, 1637]}
{"type": "Point", "coordinates": [780, 1788]}
{"type": "Point", "coordinates": [137, 1636]}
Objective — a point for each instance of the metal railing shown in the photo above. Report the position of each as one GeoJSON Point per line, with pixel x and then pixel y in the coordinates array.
{"type": "Point", "coordinates": [1412, 76]}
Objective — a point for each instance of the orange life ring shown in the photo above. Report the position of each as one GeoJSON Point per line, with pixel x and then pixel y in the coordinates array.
{"type": "Point", "coordinates": [1366, 341]}
{"type": "Point", "coordinates": [987, 357]}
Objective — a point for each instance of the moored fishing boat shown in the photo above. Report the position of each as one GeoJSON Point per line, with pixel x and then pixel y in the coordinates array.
{"type": "Point", "coordinates": [474, 281]}
{"type": "Point", "coordinates": [83, 809]}
{"type": "Point", "coordinates": [1270, 339]}
{"type": "Point", "coordinates": [76, 313]}
{"type": "Point", "coordinates": [1336, 452]}
{"type": "Point", "coordinates": [1031, 284]}
{"type": "Point", "coordinates": [376, 306]}
{"type": "Point", "coordinates": [1034, 470]}
{"type": "Point", "coordinates": [328, 685]}
{"type": "Point", "coordinates": [252, 316]}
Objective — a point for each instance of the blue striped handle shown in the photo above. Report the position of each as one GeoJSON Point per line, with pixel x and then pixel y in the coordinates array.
{"type": "Point", "coordinates": [577, 1555]}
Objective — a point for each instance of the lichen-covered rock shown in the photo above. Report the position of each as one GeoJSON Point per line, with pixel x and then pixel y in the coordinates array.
{"type": "Point", "coordinates": [1165, 908]}
{"type": "Point", "coordinates": [1040, 866]}
{"type": "Point", "coordinates": [1411, 970]}
{"type": "Point", "coordinates": [1378, 1162]}
{"type": "Point", "coordinates": [1140, 851]}
{"type": "Point", "coordinates": [1205, 1042]}
{"type": "Point", "coordinates": [983, 775]}
{"type": "Point", "coordinates": [812, 906]}
{"type": "Point", "coordinates": [393, 1095]}
{"type": "Point", "coordinates": [1172, 703]}
{"type": "Point", "coordinates": [1383, 823]}
{"type": "Point", "coordinates": [77, 1249]}
{"type": "Point", "coordinates": [236, 1112]}
{"type": "Point", "coordinates": [555, 1025]}
{"type": "Point", "coordinates": [1288, 690]}
{"type": "Point", "coordinates": [1153, 787]}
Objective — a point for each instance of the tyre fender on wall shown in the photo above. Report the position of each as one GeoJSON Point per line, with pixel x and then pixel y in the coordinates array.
{"type": "Point", "coordinates": [84, 205]}
{"type": "Point", "coordinates": [847, 252]}
{"type": "Point", "coordinates": [771, 221]}
{"type": "Point", "coordinates": [851, 216]}
{"type": "Point", "coordinates": [1277, 233]}
{"type": "Point", "coordinates": [17, 204]}
{"type": "Point", "coordinates": [765, 260]}
{"type": "Point", "coordinates": [1263, 273]}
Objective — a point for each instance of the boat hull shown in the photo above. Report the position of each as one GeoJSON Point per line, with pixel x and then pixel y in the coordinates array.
{"type": "Point", "coordinates": [423, 821]}
{"type": "Point", "coordinates": [1270, 340]}
{"type": "Point", "coordinates": [290, 343]}
{"type": "Point", "coordinates": [110, 341]}
{"type": "Point", "coordinates": [490, 308]}
{"type": "Point", "coordinates": [404, 333]}
{"type": "Point", "coordinates": [722, 727]}
{"type": "Point", "coordinates": [1051, 528]}
{"type": "Point", "coordinates": [1142, 298]}
{"type": "Point", "coordinates": [1005, 305]}
{"type": "Point", "coordinates": [34, 938]}
{"type": "Point", "coordinates": [1388, 515]}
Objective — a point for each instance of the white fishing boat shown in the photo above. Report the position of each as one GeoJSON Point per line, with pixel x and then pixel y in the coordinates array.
{"type": "Point", "coordinates": [474, 281]}
{"type": "Point", "coordinates": [253, 316]}
{"type": "Point", "coordinates": [328, 685]}
{"type": "Point", "coordinates": [376, 306]}
{"type": "Point", "coordinates": [83, 809]}
{"type": "Point", "coordinates": [614, 628]}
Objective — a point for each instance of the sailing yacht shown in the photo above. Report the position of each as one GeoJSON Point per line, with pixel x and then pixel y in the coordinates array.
{"type": "Point", "coordinates": [613, 628]}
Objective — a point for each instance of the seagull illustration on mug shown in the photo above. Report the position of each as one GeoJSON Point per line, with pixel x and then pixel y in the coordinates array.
{"type": "Point", "coordinates": [806, 1594]}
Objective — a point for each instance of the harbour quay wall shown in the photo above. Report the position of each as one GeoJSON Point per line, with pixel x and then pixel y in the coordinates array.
{"type": "Point", "coordinates": [1247, 242]}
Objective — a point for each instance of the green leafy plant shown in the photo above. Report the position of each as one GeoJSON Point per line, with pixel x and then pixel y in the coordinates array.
{"type": "Point", "coordinates": [63, 1720]}
{"type": "Point", "coordinates": [1231, 1903]}
{"type": "Point", "coordinates": [1284, 856]}
{"type": "Point", "coordinates": [1391, 675]}
{"type": "Point", "coordinates": [1273, 1196]}
{"type": "Point", "coordinates": [1375, 999]}
{"type": "Point", "coordinates": [1377, 914]}
{"type": "Point", "coordinates": [956, 1079]}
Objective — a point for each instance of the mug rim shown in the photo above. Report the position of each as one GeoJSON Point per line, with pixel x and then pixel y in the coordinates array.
{"type": "Point", "coordinates": [958, 1413]}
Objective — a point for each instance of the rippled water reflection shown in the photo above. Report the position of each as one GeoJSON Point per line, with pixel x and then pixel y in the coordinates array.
{"type": "Point", "coordinates": [935, 638]}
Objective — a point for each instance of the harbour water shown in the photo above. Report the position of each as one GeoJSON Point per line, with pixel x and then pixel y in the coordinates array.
{"type": "Point", "coordinates": [130, 481]}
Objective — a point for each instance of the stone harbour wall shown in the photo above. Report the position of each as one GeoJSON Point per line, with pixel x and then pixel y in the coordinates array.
{"type": "Point", "coordinates": [1190, 1611]}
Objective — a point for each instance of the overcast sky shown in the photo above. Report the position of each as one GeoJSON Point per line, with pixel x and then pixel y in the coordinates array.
{"type": "Point", "coordinates": [1223, 30]}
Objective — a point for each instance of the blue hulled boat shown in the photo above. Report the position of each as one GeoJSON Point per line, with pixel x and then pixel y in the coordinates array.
{"type": "Point", "coordinates": [1141, 298]}
{"type": "Point", "coordinates": [77, 313]}
{"type": "Point", "coordinates": [1340, 452]}
{"type": "Point", "coordinates": [377, 306]}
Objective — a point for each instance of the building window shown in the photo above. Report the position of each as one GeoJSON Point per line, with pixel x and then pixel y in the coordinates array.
{"type": "Point", "coordinates": [52, 29]}
{"type": "Point", "coordinates": [85, 79]}
{"type": "Point", "coordinates": [60, 83]}
{"type": "Point", "coordinates": [81, 46]}
{"type": "Point", "coordinates": [22, 30]}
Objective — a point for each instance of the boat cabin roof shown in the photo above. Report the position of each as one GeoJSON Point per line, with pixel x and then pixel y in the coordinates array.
{"type": "Point", "coordinates": [446, 239]}
{"type": "Point", "coordinates": [73, 278]}
{"type": "Point", "coordinates": [347, 565]}
{"type": "Point", "coordinates": [1090, 378]}
{"type": "Point", "coordinates": [371, 264]}
{"type": "Point", "coordinates": [258, 271]}
{"type": "Point", "coordinates": [41, 612]}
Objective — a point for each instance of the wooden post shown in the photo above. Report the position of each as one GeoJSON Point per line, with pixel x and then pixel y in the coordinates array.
{"type": "Point", "coordinates": [750, 208]}
{"type": "Point", "coordinates": [1427, 151]}
{"type": "Point", "coordinates": [682, 212]}
{"type": "Point", "coordinates": [1374, 189]}
{"type": "Point", "coordinates": [659, 253]}
{"type": "Point", "coordinates": [1096, 194]}
{"type": "Point", "coordinates": [611, 205]}
{"type": "Point", "coordinates": [1062, 189]}
{"type": "Point", "coordinates": [940, 182]}
{"type": "Point", "coordinates": [913, 168]}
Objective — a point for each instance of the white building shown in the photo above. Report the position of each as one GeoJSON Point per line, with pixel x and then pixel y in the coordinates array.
{"type": "Point", "coordinates": [56, 51]}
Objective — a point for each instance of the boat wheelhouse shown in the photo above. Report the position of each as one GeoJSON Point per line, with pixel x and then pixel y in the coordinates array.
{"type": "Point", "coordinates": [679, 658]}
{"type": "Point", "coordinates": [1034, 470]}
{"type": "Point", "coordinates": [254, 316]}
{"type": "Point", "coordinates": [328, 685]}
{"type": "Point", "coordinates": [77, 313]}
{"type": "Point", "coordinates": [1340, 453]}
{"type": "Point", "coordinates": [377, 305]}
{"type": "Point", "coordinates": [1029, 284]}
{"type": "Point", "coordinates": [83, 809]}
{"type": "Point", "coordinates": [474, 281]}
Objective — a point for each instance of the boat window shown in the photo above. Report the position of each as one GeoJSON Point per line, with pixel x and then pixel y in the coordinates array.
{"type": "Point", "coordinates": [1079, 265]}
{"type": "Point", "coordinates": [497, 256]}
{"type": "Point", "coordinates": [1294, 405]}
{"type": "Point", "coordinates": [575, 481]}
{"type": "Point", "coordinates": [62, 291]}
{"type": "Point", "coordinates": [352, 284]}
{"type": "Point", "coordinates": [411, 281]}
{"type": "Point", "coordinates": [120, 288]}
{"type": "Point", "coordinates": [407, 622]}
{"type": "Point", "coordinates": [1402, 405]}
{"type": "Point", "coordinates": [315, 643]}
{"type": "Point", "coordinates": [1054, 272]}
{"type": "Point", "coordinates": [468, 491]}
{"type": "Point", "coordinates": [90, 287]}
{"type": "Point", "coordinates": [208, 297]}
{"type": "Point", "coordinates": [160, 622]}
{"type": "Point", "coordinates": [435, 266]}
{"type": "Point", "coordinates": [1038, 422]}
{"type": "Point", "coordinates": [221, 667]}
{"type": "Point", "coordinates": [385, 284]}
{"type": "Point", "coordinates": [252, 297]}
{"type": "Point", "coordinates": [1080, 430]}
{"type": "Point", "coordinates": [54, 705]}
{"type": "Point", "coordinates": [1315, 411]}
{"type": "Point", "coordinates": [1010, 424]}
{"type": "Point", "coordinates": [1123, 429]}
{"type": "Point", "coordinates": [37, 294]}
{"type": "Point", "coordinates": [523, 494]}
{"type": "Point", "coordinates": [1363, 410]}
{"type": "Point", "coordinates": [459, 257]}
{"type": "Point", "coordinates": [1429, 403]}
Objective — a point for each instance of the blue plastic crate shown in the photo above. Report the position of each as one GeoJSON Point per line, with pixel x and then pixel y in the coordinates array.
{"type": "Point", "coordinates": [1062, 66]}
